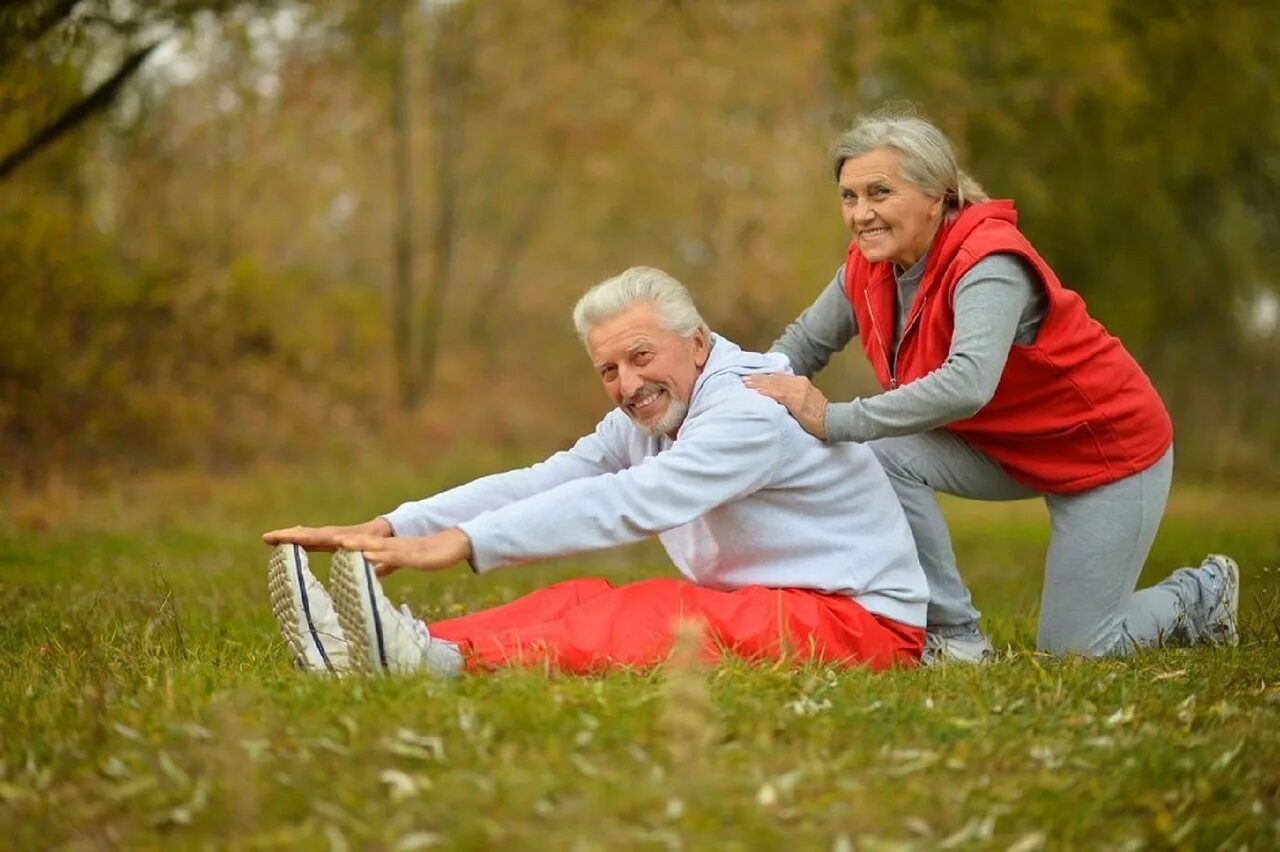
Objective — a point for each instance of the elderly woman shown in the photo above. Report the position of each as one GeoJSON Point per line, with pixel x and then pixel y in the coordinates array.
{"type": "Point", "coordinates": [998, 385]}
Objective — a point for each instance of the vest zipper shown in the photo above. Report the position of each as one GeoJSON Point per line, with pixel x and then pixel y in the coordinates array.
{"type": "Point", "coordinates": [892, 359]}
{"type": "Point", "coordinates": [911, 323]}
{"type": "Point", "coordinates": [889, 359]}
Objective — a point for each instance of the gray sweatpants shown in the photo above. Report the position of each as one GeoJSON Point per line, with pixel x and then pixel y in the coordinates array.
{"type": "Point", "coordinates": [1099, 541]}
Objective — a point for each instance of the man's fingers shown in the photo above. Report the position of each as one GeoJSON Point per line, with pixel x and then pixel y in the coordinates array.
{"type": "Point", "coordinates": [294, 535]}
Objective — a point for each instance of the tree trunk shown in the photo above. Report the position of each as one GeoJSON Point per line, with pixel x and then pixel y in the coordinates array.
{"type": "Point", "coordinates": [450, 71]}
{"type": "Point", "coordinates": [402, 246]}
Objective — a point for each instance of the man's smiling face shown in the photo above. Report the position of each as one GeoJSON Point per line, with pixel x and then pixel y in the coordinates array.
{"type": "Point", "coordinates": [648, 371]}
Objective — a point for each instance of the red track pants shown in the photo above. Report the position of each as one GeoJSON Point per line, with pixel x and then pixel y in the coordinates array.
{"type": "Point", "coordinates": [589, 625]}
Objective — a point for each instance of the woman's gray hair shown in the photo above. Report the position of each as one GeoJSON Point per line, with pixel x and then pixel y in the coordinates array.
{"type": "Point", "coordinates": [676, 311]}
{"type": "Point", "coordinates": [926, 156]}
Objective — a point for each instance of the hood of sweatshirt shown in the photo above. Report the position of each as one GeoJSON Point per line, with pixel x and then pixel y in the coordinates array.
{"type": "Point", "coordinates": [728, 362]}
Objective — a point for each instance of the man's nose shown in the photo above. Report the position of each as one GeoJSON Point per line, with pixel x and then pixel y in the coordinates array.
{"type": "Point", "coordinates": [629, 381]}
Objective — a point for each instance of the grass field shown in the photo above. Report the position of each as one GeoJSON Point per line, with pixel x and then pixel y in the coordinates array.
{"type": "Point", "coordinates": [146, 700]}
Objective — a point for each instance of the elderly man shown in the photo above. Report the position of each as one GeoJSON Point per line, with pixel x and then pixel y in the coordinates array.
{"type": "Point", "coordinates": [790, 548]}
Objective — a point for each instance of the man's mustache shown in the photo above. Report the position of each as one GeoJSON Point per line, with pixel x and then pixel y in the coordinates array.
{"type": "Point", "coordinates": [646, 390]}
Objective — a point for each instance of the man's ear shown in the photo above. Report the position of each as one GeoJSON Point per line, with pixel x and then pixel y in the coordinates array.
{"type": "Point", "coordinates": [701, 347]}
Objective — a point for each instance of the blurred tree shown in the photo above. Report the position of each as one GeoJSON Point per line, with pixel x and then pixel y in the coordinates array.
{"type": "Point", "coordinates": [209, 274]}
{"type": "Point", "coordinates": [399, 23]}
{"type": "Point", "coordinates": [128, 32]}
{"type": "Point", "coordinates": [452, 59]}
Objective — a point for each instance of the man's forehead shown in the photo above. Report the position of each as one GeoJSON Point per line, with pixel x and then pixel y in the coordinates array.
{"type": "Point", "coordinates": [625, 342]}
{"type": "Point", "coordinates": [624, 332]}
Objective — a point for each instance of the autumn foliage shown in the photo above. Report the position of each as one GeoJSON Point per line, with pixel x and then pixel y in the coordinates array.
{"type": "Point", "coordinates": [204, 273]}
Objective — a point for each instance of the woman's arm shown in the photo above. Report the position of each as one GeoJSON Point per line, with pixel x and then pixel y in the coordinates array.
{"type": "Point", "coordinates": [823, 329]}
{"type": "Point", "coordinates": [995, 300]}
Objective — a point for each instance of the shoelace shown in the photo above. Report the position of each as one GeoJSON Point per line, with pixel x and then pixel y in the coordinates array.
{"type": "Point", "coordinates": [418, 626]}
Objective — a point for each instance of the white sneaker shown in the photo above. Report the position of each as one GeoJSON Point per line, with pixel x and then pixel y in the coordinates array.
{"type": "Point", "coordinates": [1222, 626]}
{"type": "Point", "coordinates": [969, 650]}
{"type": "Point", "coordinates": [382, 638]}
{"type": "Point", "coordinates": [305, 613]}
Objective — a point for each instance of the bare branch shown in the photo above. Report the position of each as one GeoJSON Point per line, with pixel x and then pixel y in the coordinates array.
{"type": "Point", "coordinates": [97, 100]}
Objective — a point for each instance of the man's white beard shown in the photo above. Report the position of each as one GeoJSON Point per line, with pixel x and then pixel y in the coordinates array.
{"type": "Point", "coordinates": [668, 422]}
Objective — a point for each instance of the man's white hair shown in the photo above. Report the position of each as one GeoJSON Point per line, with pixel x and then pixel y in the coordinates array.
{"type": "Point", "coordinates": [675, 308]}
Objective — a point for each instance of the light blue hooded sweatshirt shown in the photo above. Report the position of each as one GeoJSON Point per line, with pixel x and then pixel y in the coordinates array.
{"type": "Point", "coordinates": [743, 496]}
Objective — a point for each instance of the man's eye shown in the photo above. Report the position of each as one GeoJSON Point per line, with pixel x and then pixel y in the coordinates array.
{"type": "Point", "coordinates": [880, 191]}
{"type": "Point", "coordinates": [608, 373]}
{"type": "Point", "coordinates": [643, 358]}
{"type": "Point", "coordinates": [848, 196]}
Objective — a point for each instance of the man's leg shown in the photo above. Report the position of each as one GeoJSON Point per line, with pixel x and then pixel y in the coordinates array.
{"type": "Point", "coordinates": [919, 465]}
{"type": "Point", "coordinates": [1100, 542]}
{"type": "Point", "coordinates": [539, 606]}
{"type": "Point", "coordinates": [632, 625]}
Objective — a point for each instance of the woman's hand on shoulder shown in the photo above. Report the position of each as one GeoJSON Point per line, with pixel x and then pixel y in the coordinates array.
{"type": "Point", "coordinates": [806, 403]}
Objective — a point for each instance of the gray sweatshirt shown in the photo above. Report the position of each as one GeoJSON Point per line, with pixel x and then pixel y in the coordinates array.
{"type": "Point", "coordinates": [743, 496]}
{"type": "Point", "coordinates": [997, 303]}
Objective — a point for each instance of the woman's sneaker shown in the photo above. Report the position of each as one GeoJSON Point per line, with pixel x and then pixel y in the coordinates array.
{"type": "Point", "coordinates": [384, 639]}
{"type": "Point", "coordinates": [1222, 576]}
{"type": "Point", "coordinates": [969, 650]}
{"type": "Point", "coordinates": [305, 613]}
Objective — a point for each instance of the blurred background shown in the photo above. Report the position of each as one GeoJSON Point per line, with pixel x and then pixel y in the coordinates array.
{"type": "Point", "coordinates": [246, 233]}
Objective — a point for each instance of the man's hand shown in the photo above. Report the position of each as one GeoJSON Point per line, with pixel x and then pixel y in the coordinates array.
{"type": "Point", "coordinates": [806, 403]}
{"type": "Point", "coordinates": [426, 553]}
{"type": "Point", "coordinates": [327, 538]}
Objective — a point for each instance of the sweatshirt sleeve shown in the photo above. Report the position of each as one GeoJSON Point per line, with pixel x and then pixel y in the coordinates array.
{"type": "Point", "coordinates": [598, 453]}
{"type": "Point", "coordinates": [824, 328]}
{"type": "Point", "coordinates": [990, 302]}
{"type": "Point", "coordinates": [721, 454]}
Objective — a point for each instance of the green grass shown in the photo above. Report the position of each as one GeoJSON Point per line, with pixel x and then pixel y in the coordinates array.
{"type": "Point", "coordinates": [146, 700]}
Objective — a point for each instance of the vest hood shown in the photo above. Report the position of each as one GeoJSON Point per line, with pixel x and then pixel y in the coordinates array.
{"type": "Point", "coordinates": [949, 239]}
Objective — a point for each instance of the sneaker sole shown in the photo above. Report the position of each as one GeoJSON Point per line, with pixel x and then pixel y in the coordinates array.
{"type": "Point", "coordinates": [287, 582]}
{"type": "Point", "coordinates": [351, 585]}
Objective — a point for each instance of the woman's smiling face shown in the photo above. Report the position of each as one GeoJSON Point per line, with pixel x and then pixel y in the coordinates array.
{"type": "Point", "coordinates": [890, 217]}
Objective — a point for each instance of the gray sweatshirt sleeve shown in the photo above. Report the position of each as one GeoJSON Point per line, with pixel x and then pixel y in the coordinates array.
{"type": "Point", "coordinates": [995, 300]}
{"type": "Point", "coordinates": [590, 456]}
{"type": "Point", "coordinates": [721, 455]}
{"type": "Point", "coordinates": [823, 329]}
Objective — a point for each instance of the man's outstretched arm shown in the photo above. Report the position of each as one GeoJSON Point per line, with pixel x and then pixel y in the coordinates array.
{"type": "Point", "coordinates": [721, 455]}
{"type": "Point", "coordinates": [721, 458]}
{"type": "Point", "coordinates": [592, 455]}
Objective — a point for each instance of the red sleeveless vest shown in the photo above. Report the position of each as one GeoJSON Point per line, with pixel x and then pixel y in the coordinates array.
{"type": "Point", "coordinates": [1072, 411]}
